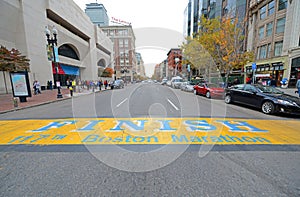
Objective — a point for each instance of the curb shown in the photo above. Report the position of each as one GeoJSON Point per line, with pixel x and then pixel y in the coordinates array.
{"type": "Point", "coordinates": [48, 102]}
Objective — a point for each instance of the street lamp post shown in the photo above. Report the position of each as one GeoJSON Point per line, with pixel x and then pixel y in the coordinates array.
{"type": "Point", "coordinates": [52, 41]}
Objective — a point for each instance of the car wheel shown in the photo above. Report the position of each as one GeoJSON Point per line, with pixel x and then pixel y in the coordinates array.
{"type": "Point", "coordinates": [228, 99]}
{"type": "Point", "coordinates": [207, 94]}
{"type": "Point", "coordinates": [268, 107]}
{"type": "Point", "coordinates": [195, 92]}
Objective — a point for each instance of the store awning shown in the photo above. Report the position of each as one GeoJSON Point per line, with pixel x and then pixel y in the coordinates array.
{"type": "Point", "coordinates": [66, 69]}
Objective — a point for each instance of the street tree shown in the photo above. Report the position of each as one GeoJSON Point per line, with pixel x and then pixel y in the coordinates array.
{"type": "Point", "coordinates": [108, 72]}
{"type": "Point", "coordinates": [220, 42]}
{"type": "Point", "coordinates": [12, 60]}
{"type": "Point", "coordinates": [197, 56]}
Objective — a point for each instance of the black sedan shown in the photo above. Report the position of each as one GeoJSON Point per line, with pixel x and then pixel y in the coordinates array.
{"type": "Point", "coordinates": [270, 100]}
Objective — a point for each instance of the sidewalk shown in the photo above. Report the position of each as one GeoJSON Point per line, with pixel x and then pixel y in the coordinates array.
{"type": "Point", "coordinates": [47, 96]}
{"type": "Point", "coordinates": [290, 91]}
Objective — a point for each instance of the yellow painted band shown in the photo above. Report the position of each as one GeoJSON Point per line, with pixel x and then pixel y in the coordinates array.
{"type": "Point", "coordinates": [150, 131]}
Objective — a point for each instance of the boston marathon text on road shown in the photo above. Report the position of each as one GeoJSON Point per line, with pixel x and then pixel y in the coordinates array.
{"type": "Point", "coordinates": [148, 131]}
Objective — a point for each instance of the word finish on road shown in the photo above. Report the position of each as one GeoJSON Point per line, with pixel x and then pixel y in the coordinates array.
{"type": "Point", "coordinates": [149, 131]}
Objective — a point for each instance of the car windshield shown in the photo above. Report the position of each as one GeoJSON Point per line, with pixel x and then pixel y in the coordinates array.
{"type": "Point", "coordinates": [268, 89]}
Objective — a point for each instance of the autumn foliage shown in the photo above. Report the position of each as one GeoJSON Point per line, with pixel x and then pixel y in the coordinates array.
{"type": "Point", "coordinates": [218, 45]}
{"type": "Point", "coordinates": [12, 60]}
{"type": "Point", "coordinates": [108, 72]}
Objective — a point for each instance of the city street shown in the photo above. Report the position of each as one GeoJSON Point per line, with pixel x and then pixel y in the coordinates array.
{"type": "Point", "coordinates": [148, 140]}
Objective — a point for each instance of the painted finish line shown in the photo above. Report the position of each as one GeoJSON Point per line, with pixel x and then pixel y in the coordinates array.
{"type": "Point", "coordinates": [150, 131]}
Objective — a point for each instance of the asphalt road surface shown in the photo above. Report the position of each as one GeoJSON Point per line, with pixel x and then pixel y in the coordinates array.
{"type": "Point", "coordinates": [263, 160]}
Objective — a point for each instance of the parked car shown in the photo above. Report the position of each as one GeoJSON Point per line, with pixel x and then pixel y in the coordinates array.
{"type": "Point", "coordinates": [118, 84]}
{"type": "Point", "coordinates": [176, 82]}
{"type": "Point", "coordinates": [209, 90]}
{"type": "Point", "coordinates": [164, 81]}
{"type": "Point", "coordinates": [187, 86]}
{"type": "Point", "coordinates": [269, 99]}
{"type": "Point", "coordinates": [168, 83]}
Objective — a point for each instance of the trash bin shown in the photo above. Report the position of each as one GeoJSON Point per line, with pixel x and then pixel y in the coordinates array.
{"type": "Point", "coordinates": [43, 88]}
{"type": "Point", "coordinates": [15, 102]}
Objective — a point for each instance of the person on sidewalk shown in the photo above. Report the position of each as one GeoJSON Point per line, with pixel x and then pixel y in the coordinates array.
{"type": "Point", "coordinates": [36, 87]}
{"type": "Point", "coordinates": [298, 86]}
{"type": "Point", "coordinates": [105, 84]}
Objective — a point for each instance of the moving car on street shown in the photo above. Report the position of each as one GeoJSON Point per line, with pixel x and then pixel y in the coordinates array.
{"type": "Point", "coordinates": [176, 82]}
{"type": "Point", "coordinates": [209, 90]}
{"type": "Point", "coordinates": [269, 99]}
{"type": "Point", "coordinates": [118, 84]}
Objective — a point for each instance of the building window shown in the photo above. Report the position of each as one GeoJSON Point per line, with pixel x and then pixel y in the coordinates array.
{"type": "Point", "coordinates": [280, 25]}
{"type": "Point", "coordinates": [261, 32]}
{"type": "Point", "coordinates": [278, 48]}
{"type": "Point", "coordinates": [263, 12]}
{"type": "Point", "coordinates": [263, 52]}
{"type": "Point", "coordinates": [271, 7]}
{"type": "Point", "coordinates": [269, 29]}
{"type": "Point", "coordinates": [121, 43]}
{"type": "Point", "coordinates": [282, 4]}
{"type": "Point", "coordinates": [126, 43]}
{"type": "Point", "coordinates": [67, 51]}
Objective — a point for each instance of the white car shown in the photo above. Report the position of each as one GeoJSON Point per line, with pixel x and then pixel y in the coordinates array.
{"type": "Point", "coordinates": [169, 83]}
{"type": "Point", "coordinates": [187, 86]}
{"type": "Point", "coordinates": [176, 82]}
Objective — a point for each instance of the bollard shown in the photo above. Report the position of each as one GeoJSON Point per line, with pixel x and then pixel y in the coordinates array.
{"type": "Point", "coordinates": [71, 90]}
{"type": "Point", "coordinates": [15, 102]}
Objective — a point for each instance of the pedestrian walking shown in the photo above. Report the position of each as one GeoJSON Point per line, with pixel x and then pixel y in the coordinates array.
{"type": "Point", "coordinates": [68, 83]}
{"type": "Point", "coordinates": [74, 85]}
{"type": "Point", "coordinates": [36, 87]}
{"type": "Point", "coordinates": [273, 82]}
{"type": "Point", "coordinates": [71, 90]}
{"type": "Point", "coordinates": [298, 86]}
{"type": "Point", "coordinates": [51, 85]}
{"type": "Point", "coordinates": [105, 84]}
{"type": "Point", "coordinates": [100, 84]}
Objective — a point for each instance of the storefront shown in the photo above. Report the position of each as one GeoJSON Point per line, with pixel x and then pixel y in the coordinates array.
{"type": "Point", "coordinates": [295, 72]}
{"type": "Point", "coordinates": [65, 72]}
{"type": "Point", "coordinates": [266, 71]}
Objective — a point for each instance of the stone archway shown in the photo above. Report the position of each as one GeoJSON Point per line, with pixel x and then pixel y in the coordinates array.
{"type": "Point", "coordinates": [101, 66]}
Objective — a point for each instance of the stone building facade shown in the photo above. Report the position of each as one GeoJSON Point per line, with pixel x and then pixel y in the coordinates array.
{"type": "Point", "coordinates": [274, 36]}
{"type": "Point", "coordinates": [82, 46]}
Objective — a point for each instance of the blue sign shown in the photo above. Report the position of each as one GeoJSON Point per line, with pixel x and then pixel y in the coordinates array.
{"type": "Point", "coordinates": [56, 54]}
{"type": "Point", "coordinates": [253, 66]}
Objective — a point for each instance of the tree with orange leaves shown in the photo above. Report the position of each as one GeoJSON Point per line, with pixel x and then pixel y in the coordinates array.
{"type": "Point", "coordinates": [108, 72]}
{"type": "Point", "coordinates": [223, 40]}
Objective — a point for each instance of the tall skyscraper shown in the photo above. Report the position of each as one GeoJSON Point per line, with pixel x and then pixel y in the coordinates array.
{"type": "Point", "coordinates": [97, 14]}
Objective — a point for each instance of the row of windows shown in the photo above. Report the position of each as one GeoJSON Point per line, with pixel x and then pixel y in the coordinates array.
{"type": "Point", "coordinates": [123, 43]}
{"type": "Point", "coordinates": [118, 32]}
{"type": "Point", "coordinates": [280, 25]}
{"type": "Point", "coordinates": [264, 51]}
{"type": "Point", "coordinates": [269, 9]}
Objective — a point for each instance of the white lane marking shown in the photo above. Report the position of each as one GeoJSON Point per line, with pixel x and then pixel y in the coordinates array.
{"type": "Point", "coordinates": [173, 105]}
{"type": "Point", "coordinates": [122, 102]}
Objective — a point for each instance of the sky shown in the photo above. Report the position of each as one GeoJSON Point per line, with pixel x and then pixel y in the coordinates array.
{"type": "Point", "coordinates": [157, 24]}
